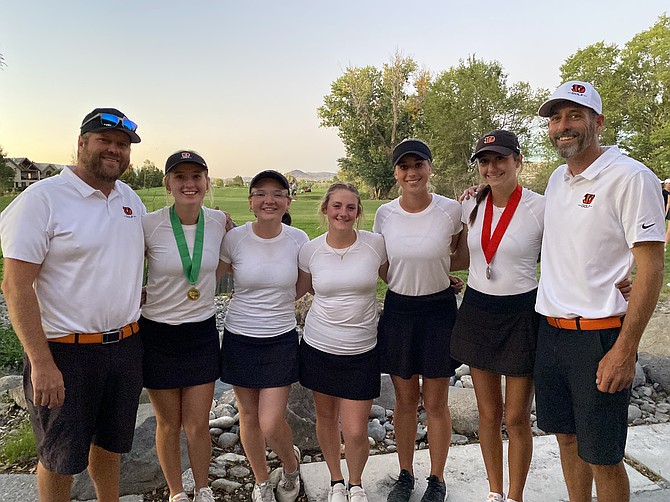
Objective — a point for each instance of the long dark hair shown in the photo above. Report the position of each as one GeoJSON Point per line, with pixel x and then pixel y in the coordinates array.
{"type": "Point", "coordinates": [481, 195]}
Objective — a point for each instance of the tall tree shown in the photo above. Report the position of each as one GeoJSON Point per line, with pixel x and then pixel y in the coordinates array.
{"type": "Point", "coordinates": [634, 83]}
{"type": "Point", "coordinates": [467, 101]}
{"type": "Point", "coordinates": [6, 174]}
{"type": "Point", "coordinates": [374, 110]}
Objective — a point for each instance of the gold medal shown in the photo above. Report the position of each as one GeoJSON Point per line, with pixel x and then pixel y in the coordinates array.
{"type": "Point", "coordinates": [193, 294]}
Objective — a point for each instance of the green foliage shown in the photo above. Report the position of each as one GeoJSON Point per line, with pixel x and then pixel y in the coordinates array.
{"type": "Point", "coordinates": [634, 84]}
{"type": "Point", "coordinates": [19, 445]}
{"type": "Point", "coordinates": [11, 351]}
{"type": "Point", "coordinates": [464, 103]}
{"type": "Point", "coordinates": [6, 174]}
{"type": "Point", "coordinates": [373, 111]}
{"type": "Point", "coordinates": [147, 176]}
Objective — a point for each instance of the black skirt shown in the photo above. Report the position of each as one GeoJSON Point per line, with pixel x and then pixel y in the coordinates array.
{"type": "Point", "coordinates": [497, 333]}
{"type": "Point", "coordinates": [414, 335]}
{"type": "Point", "coordinates": [259, 363]}
{"type": "Point", "coordinates": [181, 355]}
{"type": "Point", "coordinates": [355, 377]}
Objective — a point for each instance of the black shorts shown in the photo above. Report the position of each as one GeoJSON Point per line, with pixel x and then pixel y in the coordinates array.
{"type": "Point", "coordinates": [182, 355]}
{"type": "Point", "coordinates": [102, 391]}
{"type": "Point", "coordinates": [566, 396]}
{"type": "Point", "coordinates": [354, 377]}
{"type": "Point", "coordinates": [259, 363]}
{"type": "Point", "coordinates": [414, 335]}
{"type": "Point", "coordinates": [496, 333]}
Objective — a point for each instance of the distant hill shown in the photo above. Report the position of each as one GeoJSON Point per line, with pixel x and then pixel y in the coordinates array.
{"type": "Point", "coordinates": [301, 175]}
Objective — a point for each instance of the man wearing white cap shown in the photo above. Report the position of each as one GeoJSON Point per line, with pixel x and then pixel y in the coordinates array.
{"type": "Point", "coordinates": [604, 212]}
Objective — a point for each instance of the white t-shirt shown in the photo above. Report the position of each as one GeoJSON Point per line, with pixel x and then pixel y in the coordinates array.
{"type": "Point", "coordinates": [514, 266]}
{"type": "Point", "coordinates": [265, 272]}
{"type": "Point", "coordinates": [167, 286]}
{"type": "Point", "coordinates": [91, 249]}
{"type": "Point", "coordinates": [343, 317]}
{"type": "Point", "coordinates": [418, 244]}
{"type": "Point", "coordinates": [590, 223]}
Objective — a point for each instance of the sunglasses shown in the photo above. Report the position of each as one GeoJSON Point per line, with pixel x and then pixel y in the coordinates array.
{"type": "Point", "coordinates": [111, 120]}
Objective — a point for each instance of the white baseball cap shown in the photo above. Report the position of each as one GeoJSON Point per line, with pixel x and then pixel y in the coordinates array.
{"type": "Point", "coordinates": [578, 92]}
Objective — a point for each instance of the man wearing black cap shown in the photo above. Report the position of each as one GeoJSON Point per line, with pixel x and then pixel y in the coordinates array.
{"type": "Point", "coordinates": [603, 212]}
{"type": "Point", "coordinates": [73, 252]}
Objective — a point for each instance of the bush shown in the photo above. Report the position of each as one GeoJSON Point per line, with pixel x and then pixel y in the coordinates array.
{"type": "Point", "coordinates": [19, 445]}
{"type": "Point", "coordinates": [11, 351]}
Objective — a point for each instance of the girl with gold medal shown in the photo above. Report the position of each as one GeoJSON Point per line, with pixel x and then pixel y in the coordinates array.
{"type": "Point", "coordinates": [178, 325]}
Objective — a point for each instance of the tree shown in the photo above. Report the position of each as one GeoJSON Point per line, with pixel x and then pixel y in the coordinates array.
{"type": "Point", "coordinates": [149, 175]}
{"type": "Point", "coordinates": [6, 174]}
{"type": "Point", "coordinates": [373, 111]}
{"type": "Point", "coordinates": [634, 83]}
{"type": "Point", "coordinates": [129, 177]}
{"type": "Point", "coordinates": [464, 103]}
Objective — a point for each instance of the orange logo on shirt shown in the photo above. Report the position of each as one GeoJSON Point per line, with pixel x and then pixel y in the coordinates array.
{"type": "Point", "coordinates": [127, 210]}
{"type": "Point", "coordinates": [588, 198]}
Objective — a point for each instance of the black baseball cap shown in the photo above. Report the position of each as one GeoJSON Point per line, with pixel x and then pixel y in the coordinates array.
{"type": "Point", "coordinates": [104, 119]}
{"type": "Point", "coordinates": [415, 146]}
{"type": "Point", "coordinates": [269, 174]}
{"type": "Point", "coordinates": [183, 156]}
{"type": "Point", "coordinates": [498, 141]}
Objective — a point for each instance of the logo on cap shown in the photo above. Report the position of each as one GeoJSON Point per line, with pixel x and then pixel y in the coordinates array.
{"type": "Point", "coordinates": [579, 88]}
{"type": "Point", "coordinates": [185, 155]}
{"type": "Point", "coordinates": [489, 139]}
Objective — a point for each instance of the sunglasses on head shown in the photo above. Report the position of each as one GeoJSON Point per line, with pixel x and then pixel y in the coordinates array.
{"type": "Point", "coordinates": [111, 120]}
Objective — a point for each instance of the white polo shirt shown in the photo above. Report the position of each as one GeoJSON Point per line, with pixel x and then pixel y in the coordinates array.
{"type": "Point", "coordinates": [418, 244]}
{"type": "Point", "coordinates": [91, 249]}
{"type": "Point", "coordinates": [514, 266]}
{"type": "Point", "coordinates": [590, 223]}
{"type": "Point", "coordinates": [343, 317]}
{"type": "Point", "coordinates": [167, 301]}
{"type": "Point", "coordinates": [265, 272]}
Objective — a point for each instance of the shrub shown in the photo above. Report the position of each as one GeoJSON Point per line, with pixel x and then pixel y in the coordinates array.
{"type": "Point", "coordinates": [19, 445]}
{"type": "Point", "coordinates": [11, 351]}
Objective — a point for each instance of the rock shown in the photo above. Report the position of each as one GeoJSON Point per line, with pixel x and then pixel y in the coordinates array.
{"type": "Point", "coordinates": [464, 415]}
{"type": "Point", "coordinates": [420, 433]}
{"type": "Point", "coordinates": [9, 382]}
{"type": "Point", "coordinates": [377, 411]}
{"type": "Point", "coordinates": [376, 430]}
{"type": "Point", "coordinates": [225, 485]}
{"type": "Point", "coordinates": [302, 417]}
{"type": "Point", "coordinates": [386, 397]}
{"type": "Point", "coordinates": [228, 440]}
{"type": "Point", "coordinates": [188, 481]}
{"type": "Point", "coordinates": [389, 426]}
{"type": "Point", "coordinates": [640, 377]}
{"type": "Point", "coordinates": [462, 370]}
{"type": "Point", "coordinates": [17, 395]}
{"type": "Point", "coordinates": [657, 369]}
{"type": "Point", "coordinates": [228, 397]}
{"type": "Point", "coordinates": [225, 410]}
{"type": "Point", "coordinates": [466, 380]}
{"type": "Point", "coordinates": [216, 432]}
{"type": "Point", "coordinates": [301, 308]}
{"type": "Point", "coordinates": [392, 448]}
{"type": "Point", "coordinates": [458, 439]}
{"type": "Point", "coordinates": [140, 470]}
{"type": "Point", "coordinates": [230, 458]}
{"type": "Point", "coordinates": [217, 470]}
{"type": "Point", "coordinates": [239, 471]}
{"type": "Point", "coordinates": [222, 423]}
{"type": "Point", "coordinates": [633, 413]}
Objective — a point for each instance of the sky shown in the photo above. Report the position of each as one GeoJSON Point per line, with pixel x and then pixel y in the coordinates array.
{"type": "Point", "coordinates": [240, 82]}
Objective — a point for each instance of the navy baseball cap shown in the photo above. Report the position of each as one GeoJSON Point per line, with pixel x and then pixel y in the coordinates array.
{"type": "Point", "coordinates": [269, 174]}
{"type": "Point", "coordinates": [415, 146]}
{"type": "Point", "coordinates": [183, 156]}
{"type": "Point", "coordinates": [104, 119]}
{"type": "Point", "coordinates": [498, 141]}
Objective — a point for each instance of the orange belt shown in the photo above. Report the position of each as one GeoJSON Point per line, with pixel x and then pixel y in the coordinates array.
{"type": "Point", "coordinates": [112, 336]}
{"type": "Point", "coordinates": [585, 324]}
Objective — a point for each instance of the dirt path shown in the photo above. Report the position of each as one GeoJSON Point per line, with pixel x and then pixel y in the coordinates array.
{"type": "Point", "coordinates": [656, 338]}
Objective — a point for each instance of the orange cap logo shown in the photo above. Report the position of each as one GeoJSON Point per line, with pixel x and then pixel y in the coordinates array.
{"type": "Point", "coordinates": [489, 139]}
{"type": "Point", "coordinates": [578, 88]}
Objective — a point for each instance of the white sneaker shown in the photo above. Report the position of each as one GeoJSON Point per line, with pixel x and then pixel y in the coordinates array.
{"type": "Point", "coordinates": [288, 486]}
{"type": "Point", "coordinates": [337, 493]}
{"type": "Point", "coordinates": [357, 494]}
{"type": "Point", "coordinates": [263, 492]}
{"type": "Point", "coordinates": [180, 497]}
{"type": "Point", "coordinates": [203, 495]}
{"type": "Point", "coordinates": [495, 497]}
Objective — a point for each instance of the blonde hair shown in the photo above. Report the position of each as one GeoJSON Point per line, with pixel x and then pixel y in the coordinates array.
{"type": "Point", "coordinates": [360, 217]}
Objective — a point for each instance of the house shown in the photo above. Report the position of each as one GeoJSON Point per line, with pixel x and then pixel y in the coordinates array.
{"type": "Point", "coordinates": [27, 172]}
